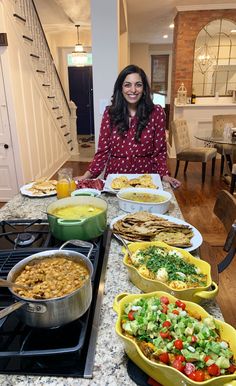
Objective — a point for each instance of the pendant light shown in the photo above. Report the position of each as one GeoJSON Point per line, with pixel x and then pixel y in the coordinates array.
{"type": "Point", "coordinates": [79, 55]}
{"type": "Point", "coordinates": [78, 47]}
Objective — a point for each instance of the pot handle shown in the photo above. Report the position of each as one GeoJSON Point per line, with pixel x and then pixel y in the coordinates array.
{"type": "Point", "coordinates": [70, 223]}
{"type": "Point", "coordinates": [80, 243]}
{"type": "Point", "coordinates": [118, 298]}
{"type": "Point", "coordinates": [208, 294]}
{"type": "Point", "coordinates": [8, 310]}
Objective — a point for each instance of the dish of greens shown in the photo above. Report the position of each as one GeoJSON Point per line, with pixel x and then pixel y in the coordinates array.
{"type": "Point", "coordinates": [168, 266]}
{"type": "Point", "coordinates": [167, 333]}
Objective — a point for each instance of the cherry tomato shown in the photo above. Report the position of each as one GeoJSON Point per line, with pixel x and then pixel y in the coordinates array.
{"type": "Point", "coordinates": [207, 357]}
{"type": "Point", "coordinates": [131, 315]}
{"type": "Point", "coordinates": [192, 376]}
{"type": "Point", "coordinates": [193, 339]}
{"type": "Point", "coordinates": [180, 304]}
{"type": "Point", "coordinates": [231, 369]}
{"type": "Point", "coordinates": [164, 357]}
{"type": "Point", "coordinates": [178, 365]}
{"type": "Point", "coordinates": [180, 358]}
{"type": "Point", "coordinates": [167, 324]}
{"type": "Point", "coordinates": [213, 370]}
{"type": "Point", "coordinates": [200, 376]}
{"type": "Point", "coordinates": [164, 308]}
{"type": "Point", "coordinates": [165, 335]}
{"type": "Point", "coordinates": [197, 375]}
{"type": "Point", "coordinates": [164, 300]}
{"type": "Point", "coordinates": [189, 368]}
{"type": "Point", "coordinates": [178, 344]}
{"type": "Point", "coordinates": [176, 312]}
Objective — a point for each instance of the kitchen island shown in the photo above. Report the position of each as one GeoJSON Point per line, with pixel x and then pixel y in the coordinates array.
{"type": "Point", "coordinates": [110, 359]}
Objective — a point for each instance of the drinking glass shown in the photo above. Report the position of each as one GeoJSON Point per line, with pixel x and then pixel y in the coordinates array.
{"type": "Point", "coordinates": [65, 184]}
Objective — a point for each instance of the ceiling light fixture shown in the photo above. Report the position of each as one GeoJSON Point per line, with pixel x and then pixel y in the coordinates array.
{"type": "Point", "coordinates": [172, 25]}
{"type": "Point", "coordinates": [165, 36]}
{"type": "Point", "coordinates": [78, 47]}
{"type": "Point", "coordinates": [79, 55]}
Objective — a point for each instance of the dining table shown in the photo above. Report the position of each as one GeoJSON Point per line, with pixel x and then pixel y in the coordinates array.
{"type": "Point", "coordinates": [229, 140]}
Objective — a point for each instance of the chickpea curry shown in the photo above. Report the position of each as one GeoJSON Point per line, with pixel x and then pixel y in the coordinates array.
{"type": "Point", "coordinates": [51, 277]}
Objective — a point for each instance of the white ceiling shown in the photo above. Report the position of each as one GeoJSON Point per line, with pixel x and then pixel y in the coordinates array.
{"type": "Point", "coordinates": [148, 20]}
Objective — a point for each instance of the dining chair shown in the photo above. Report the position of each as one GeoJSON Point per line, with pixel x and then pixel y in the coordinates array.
{"type": "Point", "coordinates": [233, 179]}
{"type": "Point", "coordinates": [225, 210]}
{"type": "Point", "coordinates": [186, 152]}
{"type": "Point", "coordinates": [219, 122]}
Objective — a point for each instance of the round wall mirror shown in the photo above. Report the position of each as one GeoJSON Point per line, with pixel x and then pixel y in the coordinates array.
{"type": "Point", "coordinates": [214, 71]}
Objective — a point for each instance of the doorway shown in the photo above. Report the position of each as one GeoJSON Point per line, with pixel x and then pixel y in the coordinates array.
{"type": "Point", "coordinates": [81, 93]}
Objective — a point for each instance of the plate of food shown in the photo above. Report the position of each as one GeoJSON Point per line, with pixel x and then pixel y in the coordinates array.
{"type": "Point", "coordinates": [39, 188]}
{"type": "Point", "coordinates": [94, 183]}
{"type": "Point", "coordinates": [145, 226]}
{"type": "Point", "coordinates": [115, 182]}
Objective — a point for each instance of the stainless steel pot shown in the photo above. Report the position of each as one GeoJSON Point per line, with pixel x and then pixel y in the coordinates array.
{"type": "Point", "coordinates": [53, 312]}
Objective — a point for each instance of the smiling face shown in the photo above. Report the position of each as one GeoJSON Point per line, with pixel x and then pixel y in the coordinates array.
{"type": "Point", "coordinates": [132, 89]}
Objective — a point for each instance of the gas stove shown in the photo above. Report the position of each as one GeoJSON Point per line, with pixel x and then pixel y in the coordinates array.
{"type": "Point", "coordinates": [68, 350]}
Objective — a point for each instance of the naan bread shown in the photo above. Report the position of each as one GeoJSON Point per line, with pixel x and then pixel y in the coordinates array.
{"type": "Point", "coordinates": [144, 181]}
{"type": "Point", "coordinates": [144, 226]}
{"type": "Point", "coordinates": [42, 186]}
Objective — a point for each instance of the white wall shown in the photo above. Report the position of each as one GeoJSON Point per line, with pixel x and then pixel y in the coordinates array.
{"type": "Point", "coordinates": [39, 149]}
{"type": "Point", "coordinates": [139, 55]}
{"type": "Point", "coordinates": [105, 51]}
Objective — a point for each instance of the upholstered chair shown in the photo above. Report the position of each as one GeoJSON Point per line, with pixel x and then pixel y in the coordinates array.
{"type": "Point", "coordinates": [233, 179]}
{"type": "Point", "coordinates": [185, 152]}
{"type": "Point", "coordinates": [218, 124]}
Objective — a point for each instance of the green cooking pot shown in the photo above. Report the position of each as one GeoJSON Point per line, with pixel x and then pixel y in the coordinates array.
{"type": "Point", "coordinates": [85, 229]}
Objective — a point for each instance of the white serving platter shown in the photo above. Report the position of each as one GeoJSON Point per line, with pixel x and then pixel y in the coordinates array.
{"type": "Point", "coordinates": [107, 187]}
{"type": "Point", "coordinates": [24, 190]}
{"type": "Point", "coordinates": [196, 240]}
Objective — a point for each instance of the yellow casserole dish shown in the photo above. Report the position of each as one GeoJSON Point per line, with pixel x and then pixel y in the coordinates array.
{"type": "Point", "coordinates": [195, 294]}
{"type": "Point", "coordinates": [165, 374]}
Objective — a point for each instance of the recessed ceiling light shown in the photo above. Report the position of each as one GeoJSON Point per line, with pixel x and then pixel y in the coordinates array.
{"type": "Point", "coordinates": [172, 25]}
{"type": "Point", "coordinates": [233, 31]}
{"type": "Point", "coordinates": [165, 36]}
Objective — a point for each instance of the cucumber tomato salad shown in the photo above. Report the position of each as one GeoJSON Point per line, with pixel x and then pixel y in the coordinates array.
{"type": "Point", "coordinates": [167, 333]}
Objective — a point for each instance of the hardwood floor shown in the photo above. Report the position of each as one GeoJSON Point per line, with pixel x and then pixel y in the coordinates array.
{"type": "Point", "coordinates": [196, 202]}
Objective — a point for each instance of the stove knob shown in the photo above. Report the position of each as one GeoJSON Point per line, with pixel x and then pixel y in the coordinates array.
{"type": "Point", "coordinates": [6, 146]}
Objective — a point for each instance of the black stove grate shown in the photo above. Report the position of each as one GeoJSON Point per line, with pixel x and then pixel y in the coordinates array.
{"type": "Point", "coordinates": [60, 351]}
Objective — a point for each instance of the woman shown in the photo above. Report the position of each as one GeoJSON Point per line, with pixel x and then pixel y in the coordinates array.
{"type": "Point", "coordinates": [132, 136]}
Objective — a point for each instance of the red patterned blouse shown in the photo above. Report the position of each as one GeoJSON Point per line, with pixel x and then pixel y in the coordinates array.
{"type": "Point", "coordinates": [122, 154]}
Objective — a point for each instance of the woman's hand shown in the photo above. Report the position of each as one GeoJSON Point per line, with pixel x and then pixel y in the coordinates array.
{"type": "Point", "coordinates": [86, 176]}
{"type": "Point", "coordinates": [174, 183]}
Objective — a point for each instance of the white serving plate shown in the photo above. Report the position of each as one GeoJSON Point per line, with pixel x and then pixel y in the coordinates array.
{"type": "Point", "coordinates": [24, 190]}
{"type": "Point", "coordinates": [196, 240]}
{"type": "Point", "coordinates": [107, 187]}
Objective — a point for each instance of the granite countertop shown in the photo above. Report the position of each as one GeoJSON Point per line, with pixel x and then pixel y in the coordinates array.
{"type": "Point", "coordinates": [110, 359]}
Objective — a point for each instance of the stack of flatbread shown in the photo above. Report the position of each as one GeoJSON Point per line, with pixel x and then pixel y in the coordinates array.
{"type": "Point", "coordinates": [144, 181]}
{"type": "Point", "coordinates": [43, 186]}
{"type": "Point", "coordinates": [144, 226]}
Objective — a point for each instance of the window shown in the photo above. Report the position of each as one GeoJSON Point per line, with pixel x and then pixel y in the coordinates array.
{"type": "Point", "coordinates": [214, 69]}
{"type": "Point", "coordinates": [159, 73]}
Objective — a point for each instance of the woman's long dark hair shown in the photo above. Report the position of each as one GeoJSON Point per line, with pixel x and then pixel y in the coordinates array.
{"type": "Point", "coordinates": [118, 110]}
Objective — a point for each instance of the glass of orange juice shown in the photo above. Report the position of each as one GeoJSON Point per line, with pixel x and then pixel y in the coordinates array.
{"type": "Point", "coordinates": [65, 184]}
